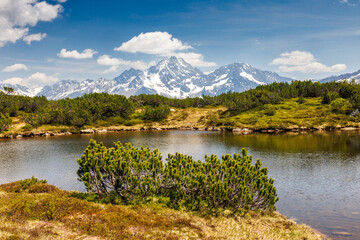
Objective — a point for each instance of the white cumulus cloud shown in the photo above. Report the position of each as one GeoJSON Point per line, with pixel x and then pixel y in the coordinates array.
{"type": "Point", "coordinates": [34, 37]}
{"type": "Point", "coordinates": [163, 44]}
{"type": "Point", "coordinates": [87, 53]}
{"type": "Point", "coordinates": [16, 16]}
{"type": "Point", "coordinates": [35, 80]}
{"type": "Point", "coordinates": [15, 67]}
{"type": "Point", "coordinates": [160, 43]}
{"type": "Point", "coordinates": [111, 69]}
{"type": "Point", "coordinates": [195, 59]}
{"type": "Point", "coordinates": [305, 62]}
{"type": "Point", "coordinates": [14, 80]}
{"type": "Point", "coordinates": [116, 62]}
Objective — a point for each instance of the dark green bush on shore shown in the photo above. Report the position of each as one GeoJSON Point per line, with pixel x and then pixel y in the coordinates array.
{"type": "Point", "coordinates": [138, 174]}
{"type": "Point", "coordinates": [5, 122]}
{"type": "Point", "coordinates": [156, 113]}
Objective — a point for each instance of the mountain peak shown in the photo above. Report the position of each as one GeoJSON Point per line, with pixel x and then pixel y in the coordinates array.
{"type": "Point", "coordinates": [172, 60]}
{"type": "Point", "coordinates": [171, 77]}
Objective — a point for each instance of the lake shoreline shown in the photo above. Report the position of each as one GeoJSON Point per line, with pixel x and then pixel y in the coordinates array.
{"type": "Point", "coordinates": [38, 133]}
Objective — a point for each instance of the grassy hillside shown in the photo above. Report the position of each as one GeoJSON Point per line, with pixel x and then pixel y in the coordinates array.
{"type": "Point", "coordinates": [287, 114]}
{"type": "Point", "coordinates": [42, 211]}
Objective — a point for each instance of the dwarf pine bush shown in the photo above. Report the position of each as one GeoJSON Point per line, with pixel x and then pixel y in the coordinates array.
{"type": "Point", "coordinates": [135, 174]}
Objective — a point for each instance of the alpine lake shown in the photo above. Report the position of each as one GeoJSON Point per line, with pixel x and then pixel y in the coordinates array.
{"type": "Point", "coordinates": [317, 174]}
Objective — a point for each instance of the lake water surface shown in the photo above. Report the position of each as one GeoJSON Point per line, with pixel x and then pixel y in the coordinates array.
{"type": "Point", "coordinates": [317, 175]}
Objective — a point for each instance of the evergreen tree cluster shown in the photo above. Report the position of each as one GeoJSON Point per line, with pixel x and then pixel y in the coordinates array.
{"type": "Point", "coordinates": [76, 112]}
{"type": "Point", "coordinates": [137, 174]}
{"type": "Point", "coordinates": [91, 108]}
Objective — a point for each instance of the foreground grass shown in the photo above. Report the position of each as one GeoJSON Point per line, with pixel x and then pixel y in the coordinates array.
{"type": "Point", "coordinates": [44, 212]}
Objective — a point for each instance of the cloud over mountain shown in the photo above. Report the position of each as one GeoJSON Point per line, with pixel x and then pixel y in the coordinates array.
{"type": "Point", "coordinates": [115, 63]}
{"type": "Point", "coordinates": [163, 44]}
{"type": "Point", "coordinates": [305, 62]}
{"type": "Point", "coordinates": [35, 80]}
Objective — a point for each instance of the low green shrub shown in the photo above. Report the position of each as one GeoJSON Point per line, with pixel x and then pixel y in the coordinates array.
{"type": "Point", "coordinates": [5, 122]}
{"type": "Point", "coordinates": [137, 174]}
{"type": "Point", "coordinates": [301, 100]}
{"type": "Point", "coordinates": [26, 183]}
{"type": "Point", "coordinates": [341, 105]}
{"type": "Point", "coordinates": [27, 127]}
{"type": "Point", "coordinates": [32, 185]}
{"type": "Point", "coordinates": [156, 113]}
{"type": "Point", "coordinates": [269, 110]}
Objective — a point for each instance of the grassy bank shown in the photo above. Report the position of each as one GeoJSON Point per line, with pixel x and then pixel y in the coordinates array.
{"type": "Point", "coordinates": [288, 114]}
{"type": "Point", "coordinates": [178, 118]}
{"type": "Point", "coordinates": [42, 211]}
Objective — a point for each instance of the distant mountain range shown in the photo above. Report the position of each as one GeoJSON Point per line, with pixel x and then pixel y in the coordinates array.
{"type": "Point", "coordinates": [348, 76]}
{"type": "Point", "coordinates": [171, 77]}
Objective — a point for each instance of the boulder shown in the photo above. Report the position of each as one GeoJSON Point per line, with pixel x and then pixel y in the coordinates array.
{"type": "Point", "coordinates": [87, 131]}
{"type": "Point", "coordinates": [101, 131]}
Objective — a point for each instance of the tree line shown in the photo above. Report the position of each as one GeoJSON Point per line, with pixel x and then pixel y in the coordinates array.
{"type": "Point", "coordinates": [93, 107]}
{"type": "Point", "coordinates": [264, 94]}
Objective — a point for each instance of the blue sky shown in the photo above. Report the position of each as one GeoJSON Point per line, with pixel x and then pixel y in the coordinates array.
{"type": "Point", "coordinates": [77, 40]}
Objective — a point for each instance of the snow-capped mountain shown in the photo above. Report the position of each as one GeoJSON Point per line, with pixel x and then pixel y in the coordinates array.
{"type": "Point", "coordinates": [171, 77]}
{"type": "Point", "coordinates": [239, 77]}
{"type": "Point", "coordinates": [21, 90]}
{"type": "Point", "coordinates": [72, 89]}
{"type": "Point", "coordinates": [348, 76]}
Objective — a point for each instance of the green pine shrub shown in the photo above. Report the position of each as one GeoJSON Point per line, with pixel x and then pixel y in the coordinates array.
{"type": "Point", "coordinates": [229, 183]}
{"type": "Point", "coordinates": [31, 185]}
{"type": "Point", "coordinates": [328, 97]}
{"type": "Point", "coordinates": [27, 127]}
{"type": "Point", "coordinates": [301, 100]}
{"type": "Point", "coordinates": [138, 174]}
{"type": "Point", "coordinates": [269, 110]}
{"type": "Point", "coordinates": [5, 122]}
{"type": "Point", "coordinates": [341, 105]}
{"type": "Point", "coordinates": [156, 113]}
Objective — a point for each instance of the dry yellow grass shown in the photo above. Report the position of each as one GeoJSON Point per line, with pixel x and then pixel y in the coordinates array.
{"type": "Point", "coordinates": [55, 214]}
{"type": "Point", "coordinates": [17, 124]}
{"type": "Point", "coordinates": [179, 118]}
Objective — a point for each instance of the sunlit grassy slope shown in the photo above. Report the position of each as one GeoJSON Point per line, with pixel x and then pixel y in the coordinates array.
{"type": "Point", "coordinates": [284, 115]}
{"type": "Point", "coordinates": [289, 114]}
{"type": "Point", "coordinates": [44, 212]}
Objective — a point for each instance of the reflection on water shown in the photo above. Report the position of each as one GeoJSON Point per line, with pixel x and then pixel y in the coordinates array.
{"type": "Point", "coordinates": [317, 175]}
